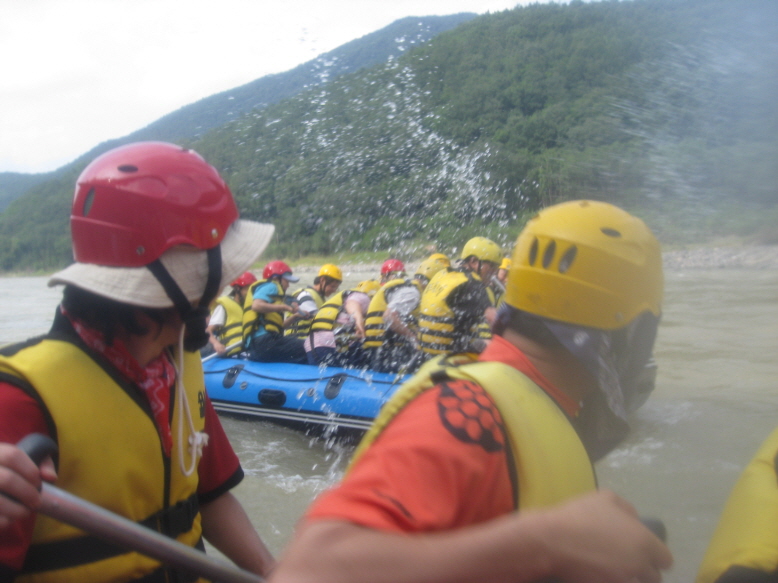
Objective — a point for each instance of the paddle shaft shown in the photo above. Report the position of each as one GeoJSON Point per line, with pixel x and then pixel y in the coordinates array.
{"type": "Point", "coordinates": [230, 347]}
{"type": "Point", "coordinates": [95, 520]}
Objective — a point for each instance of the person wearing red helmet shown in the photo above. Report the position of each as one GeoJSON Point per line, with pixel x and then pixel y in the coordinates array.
{"type": "Point", "coordinates": [118, 382]}
{"type": "Point", "coordinates": [263, 317]}
{"type": "Point", "coordinates": [392, 269]}
{"type": "Point", "coordinates": [225, 325]}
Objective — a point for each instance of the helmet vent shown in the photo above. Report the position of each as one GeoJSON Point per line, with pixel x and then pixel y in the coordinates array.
{"type": "Point", "coordinates": [533, 252]}
{"type": "Point", "coordinates": [88, 200]}
{"type": "Point", "coordinates": [567, 259]}
{"type": "Point", "coordinates": [548, 255]}
{"type": "Point", "coordinates": [128, 168]}
{"type": "Point", "coordinates": [611, 232]}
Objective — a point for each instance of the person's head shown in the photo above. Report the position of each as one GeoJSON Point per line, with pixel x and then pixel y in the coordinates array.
{"type": "Point", "coordinates": [328, 279]}
{"type": "Point", "coordinates": [241, 285]}
{"type": "Point", "coordinates": [430, 266]}
{"type": "Point", "coordinates": [588, 275]}
{"type": "Point", "coordinates": [502, 272]}
{"type": "Point", "coordinates": [154, 227]}
{"type": "Point", "coordinates": [392, 269]}
{"type": "Point", "coordinates": [280, 272]}
{"type": "Point", "coordinates": [481, 256]}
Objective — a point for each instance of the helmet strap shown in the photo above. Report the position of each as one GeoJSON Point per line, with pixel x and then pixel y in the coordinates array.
{"type": "Point", "coordinates": [194, 318]}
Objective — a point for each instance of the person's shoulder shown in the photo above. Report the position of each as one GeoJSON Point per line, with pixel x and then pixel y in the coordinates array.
{"type": "Point", "coordinates": [267, 287]}
{"type": "Point", "coordinates": [465, 412]}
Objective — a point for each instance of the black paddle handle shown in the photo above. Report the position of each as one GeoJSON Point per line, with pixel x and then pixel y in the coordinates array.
{"type": "Point", "coordinates": [37, 446]}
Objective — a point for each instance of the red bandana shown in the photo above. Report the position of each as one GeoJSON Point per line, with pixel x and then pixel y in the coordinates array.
{"type": "Point", "coordinates": [156, 379]}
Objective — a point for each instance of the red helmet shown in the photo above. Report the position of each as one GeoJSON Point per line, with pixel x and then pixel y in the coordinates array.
{"type": "Point", "coordinates": [278, 268]}
{"type": "Point", "coordinates": [391, 266]}
{"type": "Point", "coordinates": [246, 279]}
{"type": "Point", "coordinates": [135, 202]}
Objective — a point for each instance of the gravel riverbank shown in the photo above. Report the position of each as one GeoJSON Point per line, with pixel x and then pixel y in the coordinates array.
{"type": "Point", "coordinates": [740, 256]}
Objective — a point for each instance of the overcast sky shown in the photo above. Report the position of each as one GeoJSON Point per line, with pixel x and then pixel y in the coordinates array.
{"type": "Point", "coordinates": [78, 72]}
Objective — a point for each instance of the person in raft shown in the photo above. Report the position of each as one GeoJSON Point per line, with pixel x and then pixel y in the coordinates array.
{"type": "Point", "coordinates": [482, 470]}
{"type": "Point", "coordinates": [117, 382]}
{"type": "Point", "coordinates": [457, 307]}
{"type": "Point", "coordinates": [225, 325]}
{"type": "Point", "coordinates": [311, 298]}
{"type": "Point", "coordinates": [264, 311]}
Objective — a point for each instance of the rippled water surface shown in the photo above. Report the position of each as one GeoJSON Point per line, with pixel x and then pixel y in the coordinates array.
{"type": "Point", "coordinates": [715, 401]}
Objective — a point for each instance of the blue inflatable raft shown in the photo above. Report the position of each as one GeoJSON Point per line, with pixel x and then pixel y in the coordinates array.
{"type": "Point", "coordinates": [327, 399]}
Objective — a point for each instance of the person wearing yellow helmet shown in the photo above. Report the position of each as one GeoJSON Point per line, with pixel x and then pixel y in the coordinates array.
{"type": "Point", "coordinates": [391, 324]}
{"type": "Point", "coordinates": [457, 304]}
{"type": "Point", "coordinates": [502, 272]}
{"type": "Point", "coordinates": [481, 471]}
{"type": "Point", "coordinates": [338, 329]}
{"type": "Point", "coordinates": [311, 298]}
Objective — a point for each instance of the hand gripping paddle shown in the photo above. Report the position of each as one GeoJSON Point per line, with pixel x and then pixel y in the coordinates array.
{"type": "Point", "coordinates": [122, 532]}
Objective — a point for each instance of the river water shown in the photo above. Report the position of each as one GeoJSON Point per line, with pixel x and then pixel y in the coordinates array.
{"type": "Point", "coordinates": [714, 403]}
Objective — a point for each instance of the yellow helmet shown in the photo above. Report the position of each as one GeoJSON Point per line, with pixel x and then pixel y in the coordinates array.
{"type": "Point", "coordinates": [332, 271]}
{"type": "Point", "coordinates": [483, 249]}
{"type": "Point", "coordinates": [368, 286]}
{"type": "Point", "coordinates": [432, 264]}
{"type": "Point", "coordinates": [441, 257]}
{"type": "Point", "coordinates": [586, 263]}
{"type": "Point", "coordinates": [506, 263]}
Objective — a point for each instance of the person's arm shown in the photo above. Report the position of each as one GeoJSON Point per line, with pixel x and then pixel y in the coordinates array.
{"type": "Point", "coordinates": [395, 323]}
{"type": "Point", "coordinates": [216, 321]}
{"type": "Point", "coordinates": [262, 302]}
{"type": "Point", "coordinates": [403, 301]}
{"type": "Point", "coordinates": [225, 523]}
{"type": "Point", "coordinates": [593, 539]}
{"type": "Point", "coordinates": [227, 527]}
{"type": "Point", "coordinates": [354, 309]}
{"type": "Point", "coordinates": [263, 307]}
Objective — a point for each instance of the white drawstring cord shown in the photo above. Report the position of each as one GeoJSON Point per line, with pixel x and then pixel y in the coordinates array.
{"type": "Point", "coordinates": [197, 439]}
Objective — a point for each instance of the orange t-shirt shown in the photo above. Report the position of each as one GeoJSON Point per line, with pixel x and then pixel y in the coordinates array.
{"type": "Point", "coordinates": [439, 465]}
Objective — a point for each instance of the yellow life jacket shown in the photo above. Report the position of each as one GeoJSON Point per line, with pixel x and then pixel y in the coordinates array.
{"type": "Point", "coordinates": [483, 329]}
{"type": "Point", "coordinates": [119, 466]}
{"type": "Point", "coordinates": [253, 321]}
{"type": "Point", "coordinates": [437, 334]}
{"type": "Point", "coordinates": [551, 463]}
{"type": "Point", "coordinates": [325, 318]}
{"type": "Point", "coordinates": [232, 331]}
{"type": "Point", "coordinates": [744, 546]}
{"type": "Point", "coordinates": [375, 331]}
{"type": "Point", "coordinates": [302, 327]}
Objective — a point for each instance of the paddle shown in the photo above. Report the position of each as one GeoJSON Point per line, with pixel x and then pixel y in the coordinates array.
{"type": "Point", "coordinates": [230, 347]}
{"type": "Point", "coordinates": [91, 518]}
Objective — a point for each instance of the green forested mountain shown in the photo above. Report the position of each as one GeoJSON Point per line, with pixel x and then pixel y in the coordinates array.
{"type": "Point", "coordinates": [665, 107]}
{"type": "Point", "coordinates": [15, 184]}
